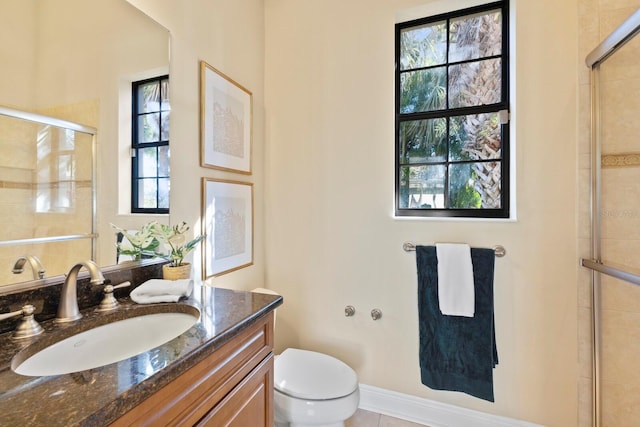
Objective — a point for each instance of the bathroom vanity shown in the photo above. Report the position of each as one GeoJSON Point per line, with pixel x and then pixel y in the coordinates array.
{"type": "Point", "coordinates": [231, 386]}
{"type": "Point", "coordinates": [219, 372]}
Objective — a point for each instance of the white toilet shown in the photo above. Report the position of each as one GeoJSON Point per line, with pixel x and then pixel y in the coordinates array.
{"type": "Point", "coordinates": [312, 389]}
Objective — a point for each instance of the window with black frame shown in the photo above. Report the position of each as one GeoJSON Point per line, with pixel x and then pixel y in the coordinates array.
{"type": "Point", "coordinates": [150, 146]}
{"type": "Point", "coordinates": [452, 100]}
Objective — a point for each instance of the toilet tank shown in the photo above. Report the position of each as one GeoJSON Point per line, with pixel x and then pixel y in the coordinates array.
{"type": "Point", "coordinates": [268, 292]}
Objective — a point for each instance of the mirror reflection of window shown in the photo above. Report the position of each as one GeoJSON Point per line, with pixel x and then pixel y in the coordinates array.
{"type": "Point", "coordinates": [56, 169]}
{"type": "Point", "coordinates": [150, 146]}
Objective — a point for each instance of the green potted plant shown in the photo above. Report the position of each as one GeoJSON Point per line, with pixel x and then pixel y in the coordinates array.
{"type": "Point", "coordinates": [138, 244]}
{"type": "Point", "coordinates": [177, 246]}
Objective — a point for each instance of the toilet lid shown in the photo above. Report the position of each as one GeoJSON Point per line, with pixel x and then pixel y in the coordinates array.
{"type": "Point", "coordinates": [313, 376]}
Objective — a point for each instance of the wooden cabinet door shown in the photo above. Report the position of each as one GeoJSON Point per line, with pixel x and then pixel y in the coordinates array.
{"type": "Point", "coordinates": [250, 403]}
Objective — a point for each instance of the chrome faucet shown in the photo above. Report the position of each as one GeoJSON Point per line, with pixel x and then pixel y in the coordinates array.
{"type": "Point", "coordinates": [68, 309]}
{"type": "Point", "coordinates": [36, 266]}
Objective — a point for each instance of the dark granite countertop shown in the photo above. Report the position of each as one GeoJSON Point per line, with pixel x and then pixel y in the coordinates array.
{"type": "Point", "coordinates": [98, 396]}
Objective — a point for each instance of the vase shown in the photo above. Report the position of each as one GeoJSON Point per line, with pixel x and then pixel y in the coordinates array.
{"type": "Point", "coordinates": [176, 273]}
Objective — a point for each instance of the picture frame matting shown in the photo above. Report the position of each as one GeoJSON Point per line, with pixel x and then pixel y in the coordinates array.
{"type": "Point", "coordinates": [226, 115]}
{"type": "Point", "coordinates": [227, 213]}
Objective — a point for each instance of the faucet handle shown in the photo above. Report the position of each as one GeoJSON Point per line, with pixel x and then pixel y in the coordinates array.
{"type": "Point", "coordinates": [27, 326]}
{"type": "Point", "coordinates": [5, 316]}
{"type": "Point", "coordinates": [109, 302]}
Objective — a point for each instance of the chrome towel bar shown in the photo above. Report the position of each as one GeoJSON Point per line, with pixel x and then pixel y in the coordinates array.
{"type": "Point", "coordinates": [499, 250]}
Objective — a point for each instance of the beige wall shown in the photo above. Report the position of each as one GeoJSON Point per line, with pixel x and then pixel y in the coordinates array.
{"type": "Point", "coordinates": [18, 32]}
{"type": "Point", "coordinates": [619, 215]}
{"type": "Point", "coordinates": [331, 239]}
{"type": "Point", "coordinates": [228, 35]}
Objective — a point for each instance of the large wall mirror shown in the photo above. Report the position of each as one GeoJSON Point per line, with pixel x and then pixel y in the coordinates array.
{"type": "Point", "coordinates": [72, 60]}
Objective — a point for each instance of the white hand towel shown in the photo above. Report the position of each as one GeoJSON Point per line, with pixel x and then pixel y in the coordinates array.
{"type": "Point", "coordinates": [157, 290]}
{"type": "Point", "coordinates": [456, 294]}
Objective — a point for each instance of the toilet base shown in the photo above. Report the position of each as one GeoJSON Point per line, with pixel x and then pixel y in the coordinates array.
{"type": "Point", "coordinates": [291, 412]}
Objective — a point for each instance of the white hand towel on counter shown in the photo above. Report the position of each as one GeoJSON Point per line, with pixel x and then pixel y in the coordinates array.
{"type": "Point", "coordinates": [158, 290]}
{"type": "Point", "coordinates": [456, 294]}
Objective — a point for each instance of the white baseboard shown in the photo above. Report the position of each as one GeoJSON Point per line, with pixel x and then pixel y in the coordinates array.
{"type": "Point", "coordinates": [429, 412]}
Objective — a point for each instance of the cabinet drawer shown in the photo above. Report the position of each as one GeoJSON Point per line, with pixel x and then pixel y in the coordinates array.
{"type": "Point", "coordinates": [249, 404]}
{"type": "Point", "coordinates": [192, 395]}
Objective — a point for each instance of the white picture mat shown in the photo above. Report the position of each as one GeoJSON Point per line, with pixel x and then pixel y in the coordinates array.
{"type": "Point", "coordinates": [224, 99]}
{"type": "Point", "coordinates": [228, 224]}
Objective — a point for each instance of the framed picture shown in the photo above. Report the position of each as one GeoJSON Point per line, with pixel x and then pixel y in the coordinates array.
{"type": "Point", "coordinates": [227, 212]}
{"type": "Point", "coordinates": [225, 122]}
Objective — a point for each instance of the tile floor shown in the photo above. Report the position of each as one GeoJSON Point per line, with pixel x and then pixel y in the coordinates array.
{"type": "Point", "coordinates": [370, 419]}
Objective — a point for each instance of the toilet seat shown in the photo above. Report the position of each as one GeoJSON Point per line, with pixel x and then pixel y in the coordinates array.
{"type": "Point", "coordinates": [309, 375]}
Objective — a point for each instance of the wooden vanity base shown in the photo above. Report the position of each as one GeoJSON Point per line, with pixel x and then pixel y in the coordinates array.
{"type": "Point", "coordinates": [233, 386]}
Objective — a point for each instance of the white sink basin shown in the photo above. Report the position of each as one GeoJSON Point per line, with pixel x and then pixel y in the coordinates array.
{"type": "Point", "coordinates": [106, 344]}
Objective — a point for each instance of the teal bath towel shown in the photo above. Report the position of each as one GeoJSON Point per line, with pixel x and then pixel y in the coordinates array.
{"type": "Point", "coordinates": [457, 353]}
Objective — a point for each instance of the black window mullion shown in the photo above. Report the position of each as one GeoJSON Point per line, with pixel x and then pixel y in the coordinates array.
{"type": "Point", "coordinates": [445, 190]}
{"type": "Point", "coordinates": [398, 95]}
{"type": "Point", "coordinates": [447, 161]}
{"type": "Point", "coordinates": [505, 54]}
{"type": "Point", "coordinates": [453, 112]}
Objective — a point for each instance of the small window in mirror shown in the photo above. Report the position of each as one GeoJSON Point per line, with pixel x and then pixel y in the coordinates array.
{"type": "Point", "coordinates": [150, 146]}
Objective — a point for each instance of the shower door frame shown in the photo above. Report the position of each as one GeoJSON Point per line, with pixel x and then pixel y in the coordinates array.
{"type": "Point", "coordinates": [619, 37]}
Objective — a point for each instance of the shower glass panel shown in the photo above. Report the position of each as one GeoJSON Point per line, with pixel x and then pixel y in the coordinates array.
{"type": "Point", "coordinates": [619, 113]}
{"type": "Point", "coordinates": [616, 226]}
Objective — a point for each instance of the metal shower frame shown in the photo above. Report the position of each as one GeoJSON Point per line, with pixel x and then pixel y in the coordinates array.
{"type": "Point", "coordinates": [619, 37]}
